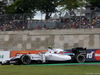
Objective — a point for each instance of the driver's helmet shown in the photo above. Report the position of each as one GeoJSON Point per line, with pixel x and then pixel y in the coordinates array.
{"type": "Point", "coordinates": [50, 47]}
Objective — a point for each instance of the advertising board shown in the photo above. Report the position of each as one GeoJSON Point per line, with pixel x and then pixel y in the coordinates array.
{"type": "Point", "coordinates": [13, 53]}
{"type": "Point", "coordinates": [4, 55]}
{"type": "Point", "coordinates": [92, 54]}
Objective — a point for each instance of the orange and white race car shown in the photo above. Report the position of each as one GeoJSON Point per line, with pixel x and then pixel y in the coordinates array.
{"type": "Point", "coordinates": [53, 55]}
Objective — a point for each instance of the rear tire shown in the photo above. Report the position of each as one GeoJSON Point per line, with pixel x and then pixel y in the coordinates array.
{"type": "Point", "coordinates": [80, 54]}
{"type": "Point", "coordinates": [25, 59]}
{"type": "Point", "coordinates": [80, 58]}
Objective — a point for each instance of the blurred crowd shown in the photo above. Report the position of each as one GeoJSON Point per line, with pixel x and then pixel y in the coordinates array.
{"type": "Point", "coordinates": [81, 22]}
{"type": "Point", "coordinates": [13, 26]}
{"type": "Point", "coordinates": [69, 23]}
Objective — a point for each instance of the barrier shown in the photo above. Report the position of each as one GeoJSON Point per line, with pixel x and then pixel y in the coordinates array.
{"type": "Point", "coordinates": [92, 54]}
{"type": "Point", "coordinates": [4, 55]}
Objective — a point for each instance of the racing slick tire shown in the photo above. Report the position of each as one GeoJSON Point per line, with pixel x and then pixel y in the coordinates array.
{"type": "Point", "coordinates": [80, 54]}
{"type": "Point", "coordinates": [25, 59]}
{"type": "Point", "coordinates": [80, 58]}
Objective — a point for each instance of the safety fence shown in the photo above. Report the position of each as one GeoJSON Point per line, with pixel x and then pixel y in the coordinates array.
{"type": "Point", "coordinates": [15, 22]}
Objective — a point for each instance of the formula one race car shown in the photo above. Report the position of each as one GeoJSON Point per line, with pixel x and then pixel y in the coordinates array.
{"type": "Point", "coordinates": [55, 55]}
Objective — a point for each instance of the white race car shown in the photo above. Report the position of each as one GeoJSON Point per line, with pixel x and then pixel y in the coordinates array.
{"type": "Point", "coordinates": [54, 55]}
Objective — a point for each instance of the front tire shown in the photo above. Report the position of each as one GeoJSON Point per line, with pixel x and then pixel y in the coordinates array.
{"type": "Point", "coordinates": [25, 59]}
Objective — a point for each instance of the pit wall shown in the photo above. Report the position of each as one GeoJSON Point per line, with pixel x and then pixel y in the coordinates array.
{"type": "Point", "coordinates": [41, 39]}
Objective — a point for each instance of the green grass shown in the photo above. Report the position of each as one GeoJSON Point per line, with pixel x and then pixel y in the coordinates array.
{"type": "Point", "coordinates": [48, 70]}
